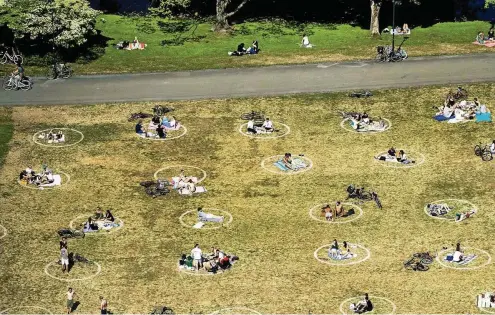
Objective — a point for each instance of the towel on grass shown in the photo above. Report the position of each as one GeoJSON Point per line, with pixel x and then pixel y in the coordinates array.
{"type": "Point", "coordinates": [57, 181]}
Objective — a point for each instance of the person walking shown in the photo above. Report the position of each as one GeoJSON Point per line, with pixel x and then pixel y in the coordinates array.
{"type": "Point", "coordinates": [197, 255]}
{"type": "Point", "coordinates": [70, 300]}
{"type": "Point", "coordinates": [64, 259]}
{"type": "Point", "coordinates": [103, 305]}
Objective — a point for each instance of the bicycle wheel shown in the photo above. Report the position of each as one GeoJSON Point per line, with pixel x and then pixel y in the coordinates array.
{"type": "Point", "coordinates": [51, 74]}
{"type": "Point", "coordinates": [67, 73]}
{"type": "Point", "coordinates": [8, 84]}
{"type": "Point", "coordinates": [426, 260]}
{"type": "Point", "coordinates": [25, 85]}
{"type": "Point", "coordinates": [3, 59]}
{"type": "Point", "coordinates": [420, 267]}
{"type": "Point", "coordinates": [78, 234]}
{"type": "Point", "coordinates": [378, 202]}
{"type": "Point", "coordinates": [486, 155]}
{"type": "Point", "coordinates": [408, 263]}
{"type": "Point", "coordinates": [477, 150]}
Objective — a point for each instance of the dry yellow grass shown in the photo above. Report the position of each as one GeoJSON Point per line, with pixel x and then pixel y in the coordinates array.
{"type": "Point", "coordinates": [272, 232]}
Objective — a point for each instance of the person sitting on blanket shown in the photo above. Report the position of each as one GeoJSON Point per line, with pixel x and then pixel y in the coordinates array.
{"type": "Point", "coordinates": [268, 125]}
{"type": "Point", "coordinates": [99, 214]}
{"type": "Point", "coordinates": [155, 120]}
{"type": "Point", "coordinates": [169, 123]}
{"type": "Point", "coordinates": [480, 38]}
{"type": "Point", "coordinates": [333, 251]}
{"type": "Point", "coordinates": [305, 42]}
{"type": "Point", "coordinates": [339, 210]}
{"type": "Point", "coordinates": [250, 127]}
{"type": "Point", "coordinates": [458, 255]}
{"type": "Point", "coordinates": [90, 226]}
{"type": "Point", "coordinates": [362, 306]}
{"type": "Point", "coordinates": [402, 158]}
{"type": "Point", "coordinates": [239, 52]}
{"type": "Point", "coordinates": [326, 211]}
{"type": "Point", "coordinates": [160, 131]}
{"type": "Point", "coordinates": [365, 118]}
{"type": "Point", "coordinates": [109, 216]}
{"type": "Point", "coordinates": [405, 28]}
{"type": "Point", "coordinates": [139, 128]}
{"type": "Point", "coordinates": [491, 33]}
{"type": "Point", "coordinates": [254, 49]}
{"type": "Point", "coordinates": [287, 160]}
{"type": "Point", "coordinates": [47, 177]}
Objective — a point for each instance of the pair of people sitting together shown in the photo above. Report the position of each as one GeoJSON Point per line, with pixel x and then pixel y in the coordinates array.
{"type": "Point", "coordinates": [363, 306]}
{"type": "Point", "coordinates": [266, 127]}
{"type": "Point", "coordinates": [363, 123]}
{"type": "Point", "coordinates": [186, 185]}
{"type": "Point", "coordinates": [100, 221]}
{"type": "Point", "coordinates": [241, 49]}
{"type": "Point", "coordinates": [337, 211]}
{"type": "Point", "coordinates": [481, 38]}
{"type": "Point", "coordinates": [336, 252]}
{"type": "Point", "coordinates": [52, 137]}
{"type": "Point", "coordinates": [29, 176]}
{"type": "Point", "coordinates": [394, 156]}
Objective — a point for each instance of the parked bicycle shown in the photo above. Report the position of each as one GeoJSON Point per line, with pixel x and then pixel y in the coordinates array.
{"type": "Point", "coordinates": [10, 83]}
{"type": "Point", "coordinates": [59, 70]}
{"type": "Point", "coordinates": [419, 262]}
{"type": "Point", "coordinates": [386, 54]}
{"type": "Point", "coordinates": [253, 116]}
{"type": "Point", "coordinates": [483, 151]}
{"type": "Point", "coordinates": [70, 233]}
{"type": "Point", "coordinates": [360, 94]}
{"type": "Point", "coordinates": [160, 110]}
{"type": "Point", "coordinates": [363, 195]}
{"type": "Point", "coordinates": [14, 57]}
{"type": "Point", "coordinates": [459, 94]}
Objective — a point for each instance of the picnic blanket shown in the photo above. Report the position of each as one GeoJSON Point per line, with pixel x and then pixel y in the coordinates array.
{"type": "Point", "coordinates": [57, 181]}
{"type": "Point", "coordinates": [296, 164]}
{"type": "Point", "coordinates": [177, 127]}
{"type": "Point", "coordinates": [484, 117]}
{"type": "Point", "coordinates": [467, 259]}
{"type": "Point", "coordinates": [106, 225]}
{"type": "Point", "coordinates": [198, 225]}
{"type": "Point", "coordinates": [486, 44]}
{"type": "Point", "coordinates": [187, 192]}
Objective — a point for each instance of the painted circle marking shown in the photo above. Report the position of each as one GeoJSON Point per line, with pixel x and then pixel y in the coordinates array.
{"type": "Point", "coordinates": [368, 255]}
{"type": "Point", "coordinates": [419, 161]}
{"type": "Point", "coordinates": [72, 226]}
{"type": "Point", "coordinates": [35, 138]}
{"type": "Point", "coordinates": [75, 279]}
{"type": "Point", "coordinates": [342, 305]}
{"type": "Point", "coordinates": [389, 125]}
{"type": "Point", "coordinates": [4, 233]}
{"type": "Point", "coordinates": [310, 166]}
{"type": "Point", "coordinates": [183, 166]}
{"type": "Point", "coordinates": [30, 186]}
{"type": "Point", "coordinates": [181, 219]}
{"type": "Point", "coordinates": [440, 261]}
{"type": "Point", "coordinates": [237, 308]}
{"type": "Point", "coordinates": [167, 138]}
{"type": "Point", "coordinates": [241, 128]}
{"type": "Point", "coordinates": [44, 310]}
{"type": "Point", "coordinates": [311, 214]}
{"type": "Point", "coordinates": [472, 205]}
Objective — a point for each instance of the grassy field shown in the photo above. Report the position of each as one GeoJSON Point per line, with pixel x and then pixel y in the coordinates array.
{"type": "Point", "coordinates": [271, 231]}
{"type": "Point", "coordinates": [279, 43]}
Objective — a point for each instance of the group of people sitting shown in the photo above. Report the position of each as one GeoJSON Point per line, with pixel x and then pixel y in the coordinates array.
{"type": "Point", "coordinates": [459, 111]}
{"type": "Point", "coordinates": [362, 306]}
{"type": "Point", "coordinates": [242, 50]}
{"type": "Point", "coordinates": [337, 252]}
{"type": "Point", "coordinates": [459, 257]}
{"type": "Point", "coordinates": [44, 178]}
{"type": "Point", "coordinates": [204, 217]}
{"type": "Point", "coordinates": [482, 39]}
{"type": "Point", "coordinates": [186, 185]}
{"type": "Point", "coordinates": [442, 209]}
{"type": "Point", "coordinates": [394, 156]}
{"type": "Point", "coordinates": [135, 44]}
{"type": "Point", "coordinates": [486, 300]}
{"type": "Point", "coordinates": [256, 128]}
{"type": "Point", "coordinates": [362, 122]}
{"type": "Point", "coordinates": [405, 30]}
{"type": "Point", "coordinates": [288, 163]}
{"type": "Point", "coordinates": [214, 262]}
{"type": "Point", "coordinates": [52, 137]}
{"type": "Point", "coordinates": [338, 211]}
{"type": "Point", "coordinates": [157, 127]}
{"type": "Point", "coordinates": [99, 221]}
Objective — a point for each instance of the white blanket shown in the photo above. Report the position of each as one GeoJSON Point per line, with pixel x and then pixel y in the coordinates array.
{"type": "Point", "coordinates": [57, 181]}
{"type": "Point", "coordinates": [186, 192]}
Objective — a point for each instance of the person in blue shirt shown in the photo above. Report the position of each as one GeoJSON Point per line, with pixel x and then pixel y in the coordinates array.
{"type": "Point", "coordinates": [139, 127]}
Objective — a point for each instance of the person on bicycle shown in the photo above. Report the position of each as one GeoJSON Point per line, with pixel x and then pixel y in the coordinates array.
{"type": "Point", "coordinates": [18, 74]}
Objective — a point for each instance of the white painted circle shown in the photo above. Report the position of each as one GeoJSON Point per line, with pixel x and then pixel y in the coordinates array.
{"type": "Point", "coordinates": [30, 186]}
{"type": "Point", "coordinates": [472, 205]}
{"type": "Point", "coordinates": [241, 130]}
{"type": "Point", "coordinates": [228, 214]}
{"type": "Point", "coordinates": [75, 279]}
{"type": "Point", "coordinates": [342, 305]}
{"type": "Point", "coordinates": [310, 166]}
{"type": "Point", "coordinates": [182, 166]}
{"type": "Point", "coordinates": [485, 309]}
{"type": "Point", "coordinates": [202, 272]}
{"type": "Point", "coordinates": [43, 310]}
{"type": "Point", "coordinates": [103, 232]}
{"type": "Point", "coordinates": [167, 138]}
{"type": "Point", "coordinates": [312, 216]}
{"type": "Point", "coordinates": [4, 233]}
{"type": "Point", "coordinates": [368, 255]}
{"type": "Point", "coordinates": [440, 261]}
{"type": "Point", "coordinates": [35, 138]}
{"type": "Point", "coordinates": [419, 161]}
{"type": "Point", "coordinates": [235, 310]}
{"type": "Point", "coordinates": [389, 125]}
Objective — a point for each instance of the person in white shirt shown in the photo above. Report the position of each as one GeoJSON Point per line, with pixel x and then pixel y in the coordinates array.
{"type": "Point", "coordinates": [49, 177]}
{"type": "Point", "coordinates": [305, 42]}
{"type": "Point", "coordinates": [29, 171]}
{"type": "Point", "coordinates": [457, 256]}
{"type": "Point", "coordinates": [250, 127]}
{"type": "Point", "coordinates": [492, 147]}
{"type": "Point", "coordinates": [268, 125]}
{"type": "Point", "coordinates": [197, 255]}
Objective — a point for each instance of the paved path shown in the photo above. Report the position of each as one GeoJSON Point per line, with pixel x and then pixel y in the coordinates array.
{"type": "Point", "coordinates": [266, 81]}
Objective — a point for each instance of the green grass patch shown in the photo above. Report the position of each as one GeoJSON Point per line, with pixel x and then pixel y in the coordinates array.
{"type": "Point", "coordinates": [271, 232]}
{"type": "Point", "coordinates": [6, 131]}
{"type": "Point", "coordinates": [194, 48]}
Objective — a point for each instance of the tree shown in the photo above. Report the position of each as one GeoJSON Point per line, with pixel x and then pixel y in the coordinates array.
{"type": "Point", "coordinates": [63, 23]}
{"type": "Point", "coordinates": [222, 15]}
{"type": "Point", "coordinates": [375, 13]}
{"type": "Point", "coordinates": [165, 8]}
{"type": "Point", "coordinates": [489, 3]}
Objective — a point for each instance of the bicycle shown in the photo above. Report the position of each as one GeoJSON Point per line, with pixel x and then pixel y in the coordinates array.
{"type": "Point", "coordinates": [385, 53]}
{"type": "Point", "coordinates": [363, 195]}
{"type": "Point", "coordinates": [9, 83]}
{"type": "Point", "coordinates": [14, 58]}
{"type": "Point", "coordinates": [460, 94]}
{"type": "Point", "coordinates": [424, 258]}
{"type": "Point", "coordinates": [364, 94]}
{"type": "Point", "coordinates": [140, 115]}
{"type": "Point", "coordinates": [484, 152]}
{"type": "Point", "coordinates": [413, 264]}
{"type": "Point", "coordinates": [253, 116]}
{"type": "Point", "coordinates": [59, 70]}
{"type": "Point", "coordinates": [159, 110]}
{"type": "Point", "coordinates": [69, 233]}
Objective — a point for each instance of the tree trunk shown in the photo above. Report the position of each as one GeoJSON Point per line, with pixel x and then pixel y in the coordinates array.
{"type": "Point", "coordinates": [375, 14]}
{"type": "Point", "coordinates": [222, 23]}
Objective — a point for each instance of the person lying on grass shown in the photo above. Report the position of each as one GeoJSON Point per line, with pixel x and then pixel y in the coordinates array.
{"type": "Point", "coordinates": [337, 253]}
{"type": "Point", "coordinates": [241, 49]}
{"type": "Point", "coordinates": [208, 217]}
{"type": "Point", "coordinates": [362, 306]}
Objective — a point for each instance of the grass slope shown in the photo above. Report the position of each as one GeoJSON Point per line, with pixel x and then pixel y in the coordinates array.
{"type": "Point", "coordinates": [279, 44]}
{"type": "Point", "coordinates": [272, 232]}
